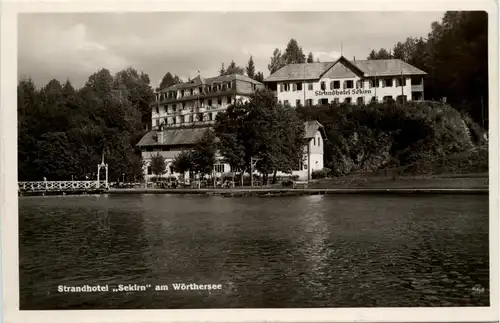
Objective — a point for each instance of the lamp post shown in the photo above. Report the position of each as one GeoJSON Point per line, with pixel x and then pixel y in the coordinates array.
{"type": "Point", "coordinates": [99, 166]}
{"type": "Point", "coordinates": [253, 162]}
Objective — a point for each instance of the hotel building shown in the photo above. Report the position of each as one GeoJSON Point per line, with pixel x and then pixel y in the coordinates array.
{"type": "Point", "coordinates": [197, 102]}
{"type": "Point", "coordinates": [356, 82]}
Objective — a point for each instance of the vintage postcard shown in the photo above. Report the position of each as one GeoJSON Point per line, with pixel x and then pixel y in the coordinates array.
{"type": "Point", "coordinates": [249, 161]}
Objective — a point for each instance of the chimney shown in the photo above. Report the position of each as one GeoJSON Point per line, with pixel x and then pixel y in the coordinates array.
{"type": "Point", "coordinates": [354, 57]}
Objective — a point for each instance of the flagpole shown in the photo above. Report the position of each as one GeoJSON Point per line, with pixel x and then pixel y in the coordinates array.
{"type": "Point", "coordinates": [402, 89]}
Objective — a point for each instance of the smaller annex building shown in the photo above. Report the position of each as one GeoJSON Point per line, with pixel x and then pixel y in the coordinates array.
{"type": "Point", "coordinates": [356, 82]}
{"type": "Point", "coordinates": [170, 142]}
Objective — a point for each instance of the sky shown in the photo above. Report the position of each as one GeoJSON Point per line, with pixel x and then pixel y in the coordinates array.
{"type": "Point", "coordinates": [75, 45]}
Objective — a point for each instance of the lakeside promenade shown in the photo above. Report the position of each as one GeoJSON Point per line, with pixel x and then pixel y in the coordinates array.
{"type": "Point", "coordinates": [443, 184]}
{"type": "Point", "coordinates": [439, 184]}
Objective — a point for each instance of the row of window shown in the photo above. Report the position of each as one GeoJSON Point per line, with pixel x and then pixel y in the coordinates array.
{"type": "Point", "coordinates": [190, 118]}
{"type": "Point", "coordinates": [195, 91]}
{"type": "Point", "coordinates": [200, 103]}
{"type": "Point", "coordinates": [359, 100]}
{"type": "Point", "coordinates": [348, 84]}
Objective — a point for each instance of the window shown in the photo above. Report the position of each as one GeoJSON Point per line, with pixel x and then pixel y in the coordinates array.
{"type": "Point", "coordinates": [200, 90]}
{"type": "Point", "coordinates": [299, 86]}
{"type": "Point", "coordinates": [219, 101]}
{"type": "Point", "coordinates": [171, 169]}
{"type": "Point", "coordinates": [287, 87]}
{"type": "Point", "coordinates": [211, 116]}
{"type": "Point", "coordinates": [310, 86]}
{"type": "Point", "coordinates": [360, 100]}
{"type": "Point", "coordinates": [182, 93]}
{"type": "Point", "coordinates": [191, 91]}
{"type": "Point", "coordinates": [229, 85]}
{"type": "Point", "coordinates": [323, 86]}
{"type": "Point", "coordinates": [314, 141]}
{"type": "Point", "coordinates": [348, 100]}
{"type": "Point", "coordinates": [157, 122]}
{"type": "Point", "coordinates": [174, 107]}
{"type": "Point", "coordinates": [400, 82]}
{"type": "Point", "coordinates": [387, 83]}
{"type": "Point", "coordinates": [360, 84]}
{"type": "Point", "coordinates": [309, 102]}
{"type": "Point", "coordinates": [319, 141]}
{"type": "Point", "coordinates": [348, 84]}
{"type": "Point", "coordinates": [200, 116]}
{"type": "Point", "coordinates": [282, 87]}
{"type": "Point", "coordinates": [334, 85]}
{"type": "Point", "coordinates": [149, 170]}
{"type": "Point", "coordinates": [210, 102]}
{"type": "Point", "coordinates": [374, 99]}
{"type": "Point", "coordinates": [388, 98]}
{"type": "Point", "coordinates": [219, 168]}
{"type": "Point", "coordinates": [228, 100]}
{"type": "Point", "coordinates": [294, 87]}
{"type": "Point", "coordinates": [297, 103]}
{"type": "Point", "coordinates": [183, 105]}
{"type": "Point", "coordinates": [336, 101]}
{"type": "Point", "coordinates": [323, 101]}
{"type": "Point", "coordinates": [254, 87]}
{"type": "Point", "coordinates": [174, 120]}
{"type": "Point", "coordinates": [158, 109]}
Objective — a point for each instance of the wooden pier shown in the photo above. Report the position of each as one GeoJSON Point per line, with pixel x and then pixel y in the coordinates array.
{"type": "Point", "coordinates": [62, 187]}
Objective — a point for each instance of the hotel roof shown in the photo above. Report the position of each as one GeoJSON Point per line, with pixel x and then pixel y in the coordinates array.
{"type": "Point", "coordinates": [367, 68]}
{"type": "Point", "coordinates": [174, 137]}
{"type": "Point", "coordinates": [197, 81]}
{"type": "Point", "coordinates": [191, 136]}
{"type": "Point", "coordinates": [312, 127]}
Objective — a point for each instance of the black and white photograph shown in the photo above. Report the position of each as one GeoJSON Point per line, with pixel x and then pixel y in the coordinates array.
{"type": "Point", "coordinates": [273, 159]}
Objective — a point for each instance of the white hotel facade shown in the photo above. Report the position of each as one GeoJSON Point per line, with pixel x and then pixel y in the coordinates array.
{"type": "Point", "coordinates": [344, 81]}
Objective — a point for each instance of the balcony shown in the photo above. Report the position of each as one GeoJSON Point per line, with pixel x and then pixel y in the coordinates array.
{"type": "Point", "coordinates": [417, 88]}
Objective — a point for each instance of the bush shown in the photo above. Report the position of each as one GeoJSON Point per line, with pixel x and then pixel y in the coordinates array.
{"type": "Point", "coordinates": [363, 139]}
{"type": "Point", "coordinates": [322, 173]}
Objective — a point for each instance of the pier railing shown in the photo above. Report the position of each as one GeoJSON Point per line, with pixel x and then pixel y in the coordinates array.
{"type": "Point", "coordinates": [63, 186]}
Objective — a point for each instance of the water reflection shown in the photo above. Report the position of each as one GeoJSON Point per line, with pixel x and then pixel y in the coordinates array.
{"type": "Point", "coordinates": [310, 251]}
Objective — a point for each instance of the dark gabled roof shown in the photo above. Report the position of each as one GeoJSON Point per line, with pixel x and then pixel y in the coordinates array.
{"type": "Point", "coordinates": [304, 71]}
{"type": "Point", "coordinates": [312, 127]}
{"type": "Point", "coordinates": [197, 81]}
{"type": "Point", "coordinates": [314, 71]}
{"type": "Point", "coordinates": [172, 137]}
{"type": "Point", "coordinates": [381, 67]}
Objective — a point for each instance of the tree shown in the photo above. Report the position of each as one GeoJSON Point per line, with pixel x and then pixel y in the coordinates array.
{"type": "Point", "coordinates": [222, 71]}
{"type": "Point", "coordinates": [260, 128]}
{"type": "Point", "coordinates": [293, 53]}
{"type": "Point", "coordinates": [259, 77]}
{"type": "Point", "coordinates": [310, 58]}
{"type": "Point", "coordinates": [277, 61]}
{"type": "Point", "coordinates": [158, 165]}
{"type": "Point", "coordinates": [250, 69]}
{"type": "Point", "coordinates": [381, 54]}
{"type": "Point", "coordinates": [234, 69]}
{"type": "Point", "coordinates": [182, 162]}
{"type": "Point", "coordinates": [202, 157]}
{"type": "Point", "coordinates": [169, 80]}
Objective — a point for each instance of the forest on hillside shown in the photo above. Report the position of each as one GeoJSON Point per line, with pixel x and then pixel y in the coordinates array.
{"type": "Point", "coordinates": [63, 132]}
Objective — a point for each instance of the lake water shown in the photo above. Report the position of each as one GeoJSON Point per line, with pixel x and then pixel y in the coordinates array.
{"type": "Point", "coordinates": [307, 251]}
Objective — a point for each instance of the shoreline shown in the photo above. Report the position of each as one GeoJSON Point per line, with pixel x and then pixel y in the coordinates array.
{"type": "Point", "coordinates": [279, 192]}
{"type": "Point", "coordinates": [451, 184]}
